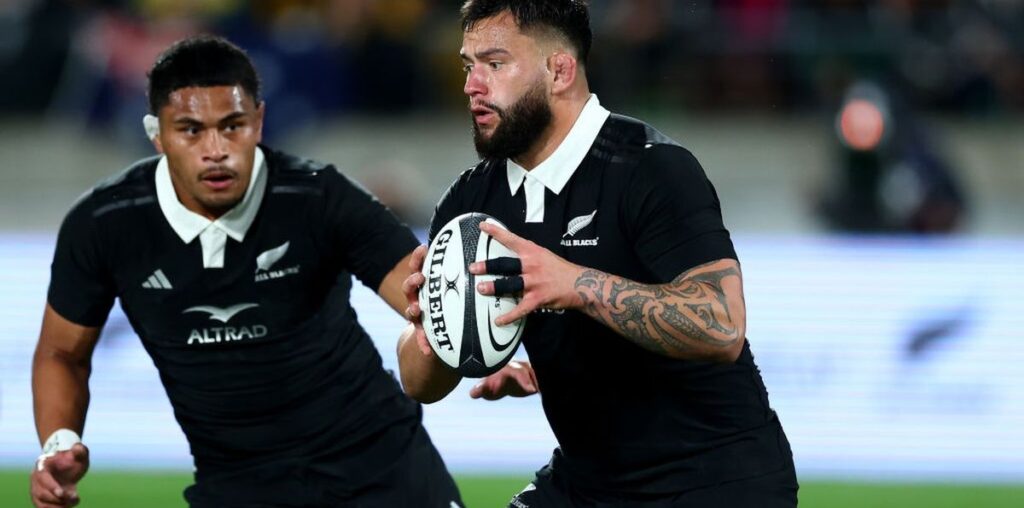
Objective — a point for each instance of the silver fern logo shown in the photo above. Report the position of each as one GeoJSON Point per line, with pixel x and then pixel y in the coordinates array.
{"type": "Point", "coordinates": [265, 263]}
{"type": "Point", "coordinates": [266, 260]}
{"type": "Point", "coordinates": [575, 226]}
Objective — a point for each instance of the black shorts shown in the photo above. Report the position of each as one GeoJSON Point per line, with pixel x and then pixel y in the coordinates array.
{"type": "Point", "coordinates": [413, 477]}
{"type": "Point", "coordinates": [774, 490]}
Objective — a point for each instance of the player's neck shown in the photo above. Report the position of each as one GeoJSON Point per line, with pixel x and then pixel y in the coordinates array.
{"type": "Point", "coordinates": [564, 114]}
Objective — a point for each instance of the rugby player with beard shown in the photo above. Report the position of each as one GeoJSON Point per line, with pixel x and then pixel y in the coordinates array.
{"type": "Point", "coordinates": [637, 323]}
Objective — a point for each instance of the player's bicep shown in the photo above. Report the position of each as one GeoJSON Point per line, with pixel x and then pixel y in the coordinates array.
{"type": "Point", "coordinates": [367, 235]}
{"type": "Point", "coordinates": [62, 339]}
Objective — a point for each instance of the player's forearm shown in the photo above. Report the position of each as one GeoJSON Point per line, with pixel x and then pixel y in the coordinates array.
{"type": "Point", "coordinates": [60, 392]}
{"type": "Point", "coordinates": [424, 377]}
{"type": "Point", "coordinates": [688, 318]}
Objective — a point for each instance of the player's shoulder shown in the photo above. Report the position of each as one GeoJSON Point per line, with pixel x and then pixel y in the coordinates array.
{"type": "Point", "coordinates": [296, 174]}
{"type": "Point", "coordinates": [639, 148]}
{"type": "Point", "coordinates": [478, 173]}
{"type": "Point", "coordinates": [474, 179]}
{"type": "Point", "coordinates": [636, 140]}
{"type": "Point", "coordinates": [293, 165]}
{"type": "Point", "coordinates": [466, 191]}
{"type": "Point", "coordinates": [131, 187]}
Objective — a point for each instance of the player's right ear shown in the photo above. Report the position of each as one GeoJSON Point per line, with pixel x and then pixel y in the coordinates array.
{"type": "Point", "coordinates": [151, 124]}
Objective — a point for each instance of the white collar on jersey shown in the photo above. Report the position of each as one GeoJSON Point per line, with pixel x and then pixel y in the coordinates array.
{"type": "Point", "coordinates": [235, 223]}
{"type": "Point", "coordinates": [555, 171]}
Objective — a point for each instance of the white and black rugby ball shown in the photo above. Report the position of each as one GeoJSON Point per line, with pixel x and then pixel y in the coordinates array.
{"type": "Point", "coordinates": [458, 320]}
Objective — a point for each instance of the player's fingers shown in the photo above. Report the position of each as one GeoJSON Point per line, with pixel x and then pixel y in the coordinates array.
{"type": "Point", "coordinates": [477, 390]}
{"type": "Point", "coordinates": [517, 383]}
{"type": "Point", "coordinates": [418, 255]}
{"type": "Point", "coordinates": [504, 266]}
{"type": "Point", "coordinates": [502, 235]}
{"type": "Point", "coordinates": [518, 312]}
{"type": "Point", "coordinates": [62, 472]}
{"type": "Point", "coordinates": [80, 453]}
{"type": "Point", "coordinates": [421, 341]}
{"type": "Point", "coordinates": [497, 266]}
{"type": "Point", "coordinates": [494, 385]}
{"type": "Point", "coordinates": [412, 312]}
{"type": "Point", "coordinates": [485, 288]}
{"type": "Point", "coordinates": [524, 380]}
{"type": "Point", "coordinates": [412, 283]}
{"type": "Point", "coordinates": [45, 488]}
{"type": "Point", "coordinates": [507, 286]}
{"type": "Point", "coordinates": [56, 497]}
{"type": "Point", "coordinates": [69, 463]}
{"type": "Point", "coordinates": [488, 387]}
{"type": "Point", "coordinates": [41, 503]}
{"type": "Point", "coordinates": [505, 383]}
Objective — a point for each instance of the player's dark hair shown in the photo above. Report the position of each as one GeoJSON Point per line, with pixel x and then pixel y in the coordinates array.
{"type": "Point", "coordinates": [569, 19]}
{"type": "Point", "coordinates": [202, 61]}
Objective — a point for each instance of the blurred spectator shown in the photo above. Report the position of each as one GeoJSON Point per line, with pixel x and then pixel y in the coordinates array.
{"type": "Point", "coordinates": [636, 50]}
{"type": "Point", "coordinates": [34, 42]}
{"type": "Point", "coordinates": [889, 176]}
{"type": "Point", "coordinates": [324, 58]}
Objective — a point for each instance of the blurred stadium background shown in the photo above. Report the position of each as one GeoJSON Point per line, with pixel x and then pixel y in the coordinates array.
{"type": "Point", "coordinates": [869, 158]}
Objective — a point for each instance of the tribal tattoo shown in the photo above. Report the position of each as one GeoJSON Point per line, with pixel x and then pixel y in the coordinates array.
{"type": "Point", "coordinates": [688, 317]}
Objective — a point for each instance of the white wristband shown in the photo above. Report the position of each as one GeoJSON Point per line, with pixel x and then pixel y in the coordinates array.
{"type": "Point", "coordinates": [60, 441]}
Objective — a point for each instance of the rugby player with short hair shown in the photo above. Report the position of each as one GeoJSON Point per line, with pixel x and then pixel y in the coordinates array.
{"type": "Point", "coordinates": [646, 376]}
{"type": "Point", "coordinates": [232, 262]}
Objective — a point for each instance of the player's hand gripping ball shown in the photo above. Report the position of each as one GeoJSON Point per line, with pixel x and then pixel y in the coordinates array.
{"type": "Point", "coordinates": [459, 321]}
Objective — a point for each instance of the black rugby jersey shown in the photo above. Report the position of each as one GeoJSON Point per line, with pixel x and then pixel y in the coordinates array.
{"type": "Point", "coordinates": [262, 359]}
{"type": "Point", "coordinates": [626, 419]}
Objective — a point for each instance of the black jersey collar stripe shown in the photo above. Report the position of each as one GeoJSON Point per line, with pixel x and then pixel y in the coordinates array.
{"type": "Point", "coordinates": [235, 223]}
{"type": "Point", "coordinates": [124, 203]}
{"type": "Point", "coordinates": [557, 169]}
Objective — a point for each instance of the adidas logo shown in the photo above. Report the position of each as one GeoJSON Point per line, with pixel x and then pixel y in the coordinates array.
{"type": "Point", "coordinates": [157, 281]}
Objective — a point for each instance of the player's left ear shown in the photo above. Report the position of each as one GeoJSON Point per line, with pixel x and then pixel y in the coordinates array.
{"type": "Point", "coordinates": [563, 67]}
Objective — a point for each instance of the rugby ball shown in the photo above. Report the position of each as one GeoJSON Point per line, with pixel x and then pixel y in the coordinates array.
{"type": "Point", "coordinates": [458, 320]}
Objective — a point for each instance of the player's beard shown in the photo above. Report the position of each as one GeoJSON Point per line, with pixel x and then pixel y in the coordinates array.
{"type": "Point", "coordinates": [519, 127]}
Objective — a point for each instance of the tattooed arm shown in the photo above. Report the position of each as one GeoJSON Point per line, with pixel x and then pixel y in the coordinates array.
{"type": "Point", "coordinates": [700, 314]}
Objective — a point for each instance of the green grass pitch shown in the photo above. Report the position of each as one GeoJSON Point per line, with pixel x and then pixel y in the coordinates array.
{"type": "Point", "coordinates": [102, 489]}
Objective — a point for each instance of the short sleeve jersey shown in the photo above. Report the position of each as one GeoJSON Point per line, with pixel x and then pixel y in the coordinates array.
{"type": "Point", "coordinates": [262, 358]}
{"type": "Point", "coordinates": [628, 420]}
